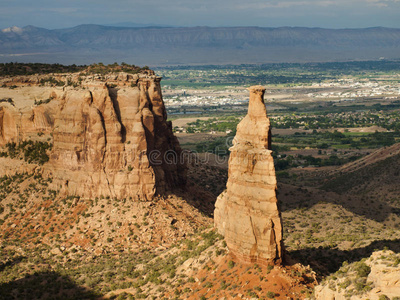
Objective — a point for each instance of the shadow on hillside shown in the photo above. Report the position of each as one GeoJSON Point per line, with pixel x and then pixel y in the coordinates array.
{"type": "Point", "coordinates": [44, 285]}
{"type": "Point", "coordinates": [366, 191]}
{"type": "Point", "coordinates": [11, 263]}
{"type": "Point", "coordinates": [306, 197]}
{"type": "Point", "coordinates": [197, 197]}
{"type": "Point", "coordinates": [325, 261]}
{"type": "Point", "coordinates": [302, 197]}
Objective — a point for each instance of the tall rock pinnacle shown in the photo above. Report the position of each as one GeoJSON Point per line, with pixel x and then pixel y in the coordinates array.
{"type": "Point", "coordinates": [247, 214]}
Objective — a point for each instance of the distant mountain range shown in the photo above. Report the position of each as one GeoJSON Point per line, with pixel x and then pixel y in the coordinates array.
{"type": "Point", "coordinates": [131, 24]}
{"type": "Point", "coordinates": [155, 46]}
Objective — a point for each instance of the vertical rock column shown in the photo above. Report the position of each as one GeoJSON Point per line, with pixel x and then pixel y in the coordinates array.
{"type": "Point", "coordinates": [247, 214]}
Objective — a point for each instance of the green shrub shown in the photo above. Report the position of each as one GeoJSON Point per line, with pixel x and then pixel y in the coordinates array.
{"type": "Point", "coordinates": [52, 81]}
{"type": "Point", "coordinates": [43, 101]}
{"type": "Point", "coordinates": [231, 264]}
{"type": "Point", "coordinates": [363, 270]}
{"type": "Point", "coordinates": [270, 294]}
{"type": "Point", "coordinates": [33, 152]}
{"type": "Point", "coordinates": [7, 100]}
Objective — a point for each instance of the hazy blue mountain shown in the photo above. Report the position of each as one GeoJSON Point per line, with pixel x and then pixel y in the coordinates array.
{"type": "Point", "coordinates": [132, 24]}
{"type": "Point", "coordinates": [196, 45]}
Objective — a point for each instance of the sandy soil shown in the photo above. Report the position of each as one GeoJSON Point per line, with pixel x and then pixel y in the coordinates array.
{"type": "Point", "coordinates": [255, 281]}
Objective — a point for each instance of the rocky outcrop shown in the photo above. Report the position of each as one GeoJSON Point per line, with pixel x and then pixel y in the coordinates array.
{"type": "Point", "coordinates": [110, 137]}
{"type": "Point", "coordinates": [19, 125]}
{"type": "Point", "coordinates": [377, 277]}
{"type": "Point", "coordinates": [246, 214]}
{"type": "Point", "coordinates": [8, 125]}
{"type": "Point", "coordinates": [115, 142]}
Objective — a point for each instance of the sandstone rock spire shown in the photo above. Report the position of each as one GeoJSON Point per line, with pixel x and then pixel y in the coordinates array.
{"type": "Point", "coordinates": [247, 214]}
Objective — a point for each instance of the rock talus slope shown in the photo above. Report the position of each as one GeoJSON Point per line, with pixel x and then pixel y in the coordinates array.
{"type": "Point", "coordinates": [247, 214]}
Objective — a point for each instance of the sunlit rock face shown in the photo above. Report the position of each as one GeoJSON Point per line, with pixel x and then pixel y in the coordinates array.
{"type": "Point", "coordinates": [115, 141]}
{"type": "Point", "coordinates": [110, 137]}
{"type": "Point", "coordinates": [247, 213]}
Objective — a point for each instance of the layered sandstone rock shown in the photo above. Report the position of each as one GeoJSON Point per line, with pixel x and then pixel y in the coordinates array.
{"type": "Point", "coordinates": [382, 278]}
{"type": "Point", "coordinates": [110, 137]}
{"type": "Point", "coordinates": [8, 125]}
{"type": "Point", "coordinates": [247, 213]}
{"type": "Point", "coordinates": [25, 120]}
{"type": "Point", "coordinates": [16, 126]}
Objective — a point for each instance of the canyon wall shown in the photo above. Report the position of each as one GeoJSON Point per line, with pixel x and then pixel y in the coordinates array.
{"type": "Point", "coordinates": [110, 137]}
{"type": "Point", "coordinates": [247, 214]}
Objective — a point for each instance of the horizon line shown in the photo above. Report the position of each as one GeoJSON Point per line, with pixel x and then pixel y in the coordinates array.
{"type": "Point", "coordinates": [200, 26]}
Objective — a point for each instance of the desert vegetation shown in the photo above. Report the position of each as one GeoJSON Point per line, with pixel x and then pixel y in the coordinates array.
{"type": "Point", "coordinates": [19, 69]}
{"type": "Point", "coordinates": [7, 100]}
{"type": "Point", "coordinates": [30, 151]}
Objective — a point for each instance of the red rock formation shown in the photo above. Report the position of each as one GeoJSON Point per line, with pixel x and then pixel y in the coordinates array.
{"type": "Point", "coordinates": [247, 213]}
{"type": "Point", "coordinates": [8, 125]}
{"type": "Point", "coordinates": [110, 138]}
{"type": "Point", "coordinates": [18, 125]}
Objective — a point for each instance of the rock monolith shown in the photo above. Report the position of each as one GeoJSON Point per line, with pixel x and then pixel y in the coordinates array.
{"type": "Point", "coordinates": [247, 212]}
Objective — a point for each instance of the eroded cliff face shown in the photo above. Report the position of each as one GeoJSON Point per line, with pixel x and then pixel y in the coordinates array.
{"type": "Point", "coordinates": [247, 214]}
{"type": "Point", "coordinates": [17, 125]}
{"type": "Point", "coordinates": [110, 137]}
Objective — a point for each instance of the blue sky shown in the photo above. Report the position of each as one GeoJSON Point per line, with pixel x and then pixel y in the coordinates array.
{"type": "Point", "coordinates": [309, 13]}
